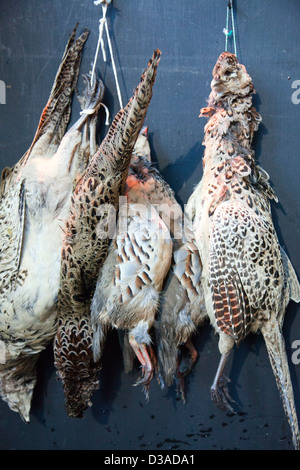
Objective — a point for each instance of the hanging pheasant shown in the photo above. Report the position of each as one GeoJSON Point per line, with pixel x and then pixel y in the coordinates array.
{"type": "Point", "coordinates": [247, 278]}
{"type": "Point", "coordinates": [86, 244]}
{"type": "Point", "coordinates": [131, 278]}
{"type": "Point", "coordinates": [35, 200]}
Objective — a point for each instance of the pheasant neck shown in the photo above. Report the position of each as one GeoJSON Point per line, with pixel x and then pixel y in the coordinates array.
{"type": "Point", "coordinates": [230, 130]}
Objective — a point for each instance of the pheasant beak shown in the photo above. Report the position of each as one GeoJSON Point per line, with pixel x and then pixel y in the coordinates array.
{"type": "Point", "coordinates": [215, 81]}
{"type": "Point", "coordinates": [145, 131]}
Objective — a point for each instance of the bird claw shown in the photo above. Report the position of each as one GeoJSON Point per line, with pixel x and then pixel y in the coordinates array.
{"type": "Point", "coordinates": [180, 386]}
{"type": "Point", "coordinates": [145, 380]}
{"type": "Point", "coordinates": [220, 395]}
{"type": "Point", "coordinates": [147, 375]}
{"type": "Point", "coordinates": [148, 364]}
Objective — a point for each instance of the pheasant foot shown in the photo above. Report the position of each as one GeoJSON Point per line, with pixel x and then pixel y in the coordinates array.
{"type": "Point", "coordinates": [219, 389]}
{"type": "Point", "coordinates": [147, 364]}
{"type": "Point", "coordinates": [187, 356]}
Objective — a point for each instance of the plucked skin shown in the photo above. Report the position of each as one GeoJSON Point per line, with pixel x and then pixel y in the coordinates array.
{"type": "Point", "coordinates": [35, 200]}
{"type": "Point", "coordinates": [247, 278]}
{"type": "Point", "coordinates": [84, 250]}
{"type": "Point", "coordinates": [131, 278]}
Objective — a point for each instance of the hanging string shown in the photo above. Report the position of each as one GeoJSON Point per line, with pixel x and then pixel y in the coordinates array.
{"type": "Point", "coordinates": [100, 39]}
{"type": "Point", "coordinates": [102, 25]}
{"type": "Point", "coordinates": [226, 29]}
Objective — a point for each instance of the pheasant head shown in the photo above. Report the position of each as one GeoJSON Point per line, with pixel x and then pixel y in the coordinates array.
{"type": "Point", "coordinates": [230, 77]}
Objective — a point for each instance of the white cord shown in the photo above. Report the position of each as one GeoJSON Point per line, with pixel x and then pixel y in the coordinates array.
{"type": "Point", "coordinates": [100, 39]}
{"type": "Point", "coordinates": [102, 24]}
{"type": "Point", "coordinates": [113, 65]}
{"type": "Point", "coordinates": [106, 113]}
{"type": "Point", "coordinates": [87, 111]}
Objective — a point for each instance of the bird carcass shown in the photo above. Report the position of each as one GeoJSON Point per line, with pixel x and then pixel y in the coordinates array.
{"type": "Point", "coordinates": [247, 278]}
{"type": "Point", "coordinates": [35, 199]}
{"type": "Point", "coordinates": [128, 289]}
{"type": "Point", "coordinates": [85, 247]}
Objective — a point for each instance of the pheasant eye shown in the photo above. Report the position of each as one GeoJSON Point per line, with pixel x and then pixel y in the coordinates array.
{"type": "Point", "coordinates": [227, 73]}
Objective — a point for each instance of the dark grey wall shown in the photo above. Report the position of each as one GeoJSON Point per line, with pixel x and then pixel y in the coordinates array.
{"type": "Point", "coordinates": [189, 33]}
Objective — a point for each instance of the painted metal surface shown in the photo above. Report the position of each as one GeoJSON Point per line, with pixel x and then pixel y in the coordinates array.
{"type": "Point", "coordinates": [190, 35]}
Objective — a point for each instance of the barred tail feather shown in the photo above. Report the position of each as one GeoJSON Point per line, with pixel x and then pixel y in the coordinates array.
{"type": "Point", "coordinates": [277, 354]}
{"type": "Point", "coordinates": [125, 128]}
{"type": "Point", "coordinates": [56, 114]}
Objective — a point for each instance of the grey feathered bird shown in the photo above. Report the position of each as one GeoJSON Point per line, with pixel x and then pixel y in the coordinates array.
{"type": "Point", "coordinates": [35, 199]}
{"type": "Point", "coordinates": [247, 278]}
{"type": "Point", "coordinates": [86, 241]}
{"type": "Point", "coordinates": [177, 309]}
{"type": "Point", "coordinates": [179, 306]}
{"type": "Point", "coordinates": [128, 288]}
{"type": "Point", "coordinates": [181, 312]}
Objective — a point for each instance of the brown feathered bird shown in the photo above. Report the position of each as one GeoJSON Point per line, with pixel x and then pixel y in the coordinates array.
{"type": "Point", "coordinates": [128, 288]}
{"type": "Point", "coordinates": [35, 199]}
{"type": "Point", "coordinates": [88, 232]}
{"type": "Point", "coordinates": [247, 278]}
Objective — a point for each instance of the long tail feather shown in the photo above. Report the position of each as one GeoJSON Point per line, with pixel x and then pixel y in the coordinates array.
{"type": "Point", "coordinates": [124, 130]}
{"type": "Point", "coordinates": [56, 114]}
{"type": "Point", "coordinates": [277, 354]}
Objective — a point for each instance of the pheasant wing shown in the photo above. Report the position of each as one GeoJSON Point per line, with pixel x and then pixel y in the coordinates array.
{"type": "Point", "coordinates": [143, 252]}
{"type": "Point", "coordinates": [245, 262]}
{"type": "Point", "coordinates": [187, 268]}
{"type": "Point", "coordinates": [12, 215]}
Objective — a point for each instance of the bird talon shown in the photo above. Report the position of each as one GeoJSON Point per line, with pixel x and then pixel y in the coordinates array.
{"type": "Point", "coordinates": [145, 381]}
{"type": "Point", "coordinates": [145, 389]}
{"type": "Point", "coordinates": [180, 386]}
{"type": "Point", "coordinates": [220, 395]}
{"type": "Point", "coordinates": [146, 377]}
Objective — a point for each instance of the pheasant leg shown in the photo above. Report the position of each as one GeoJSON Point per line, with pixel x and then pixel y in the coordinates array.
{"type": "Point", "coordinates": [145, 359]}
{"type": "Point", "coordinates": [219, 389]}
{"type": "Point", "coordinates": [185, 363]}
